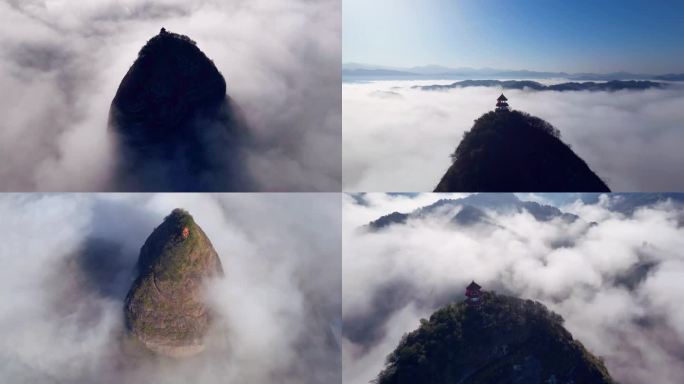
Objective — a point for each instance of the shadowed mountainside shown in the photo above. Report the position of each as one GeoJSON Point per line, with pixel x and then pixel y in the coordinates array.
{"type": "Point", "coordinates": [173, 125]}
{"type": "Point", "coordinates": [501, 340]}
{"type": "Point", "coordinates": [164, 308]}
{"type": "Point", "coordinates": [513, 151]}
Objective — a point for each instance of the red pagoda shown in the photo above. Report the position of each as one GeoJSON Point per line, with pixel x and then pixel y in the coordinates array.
{"type": "Point", "coordinates": [501, 103]}
{"type": "Point", "coordinates": [473, 293]}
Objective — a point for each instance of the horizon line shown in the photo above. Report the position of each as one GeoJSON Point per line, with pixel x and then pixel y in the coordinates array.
{"type": "Point", "coordinates": [391, 67]}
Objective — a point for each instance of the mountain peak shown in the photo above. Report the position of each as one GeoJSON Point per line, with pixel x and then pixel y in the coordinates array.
{"type": "Point", "coordinates": [172, 124]}
{"type": "Point", "coordinates": [169, 81]}
{"type": "Point", "coordinates": [165, 309]}
{"type": "Point", "coordinates": [167, 42]}
{"type": "Point", "coordinates": [515, 151]}
{"type": "Point", "coordinates": [502, 339]}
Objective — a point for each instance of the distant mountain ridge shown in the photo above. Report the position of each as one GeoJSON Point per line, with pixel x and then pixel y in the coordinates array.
{"type": "Point", "coordinates": [610, 86]}
{"type": "Point", "coordinates": [473, 210]}
{"type": "Point", "coordinates": [353, 70]}
{"type": "Point", "coordinates": [376, 72]}
{"type": "Point", "coordinates": [628, 203]}
{"type": "Point", "coordinates": [474, 207]}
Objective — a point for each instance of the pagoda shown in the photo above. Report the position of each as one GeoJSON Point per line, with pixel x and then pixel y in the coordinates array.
{"type": "Point", "coordinates": [473, 293]}
{"type": "Point", "coordinates": [501, 103]}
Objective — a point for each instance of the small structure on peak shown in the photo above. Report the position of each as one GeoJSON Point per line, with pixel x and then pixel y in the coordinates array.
{"type": "Point", "coordinates": [501, 103]}
{"type": "Point", "coordinates": [473, 293]}
{"type": "Point", "coordinates": [163, 31]}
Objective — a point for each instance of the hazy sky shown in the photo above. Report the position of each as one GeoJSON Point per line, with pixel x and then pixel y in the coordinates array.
{"type": "Point", "coordinates": [575, 36]}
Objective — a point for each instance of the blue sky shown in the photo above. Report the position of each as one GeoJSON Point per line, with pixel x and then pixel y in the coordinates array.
{"type": "Point", "coordinates": [571, 35]}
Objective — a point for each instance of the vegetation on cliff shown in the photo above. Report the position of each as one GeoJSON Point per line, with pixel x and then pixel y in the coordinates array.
{"type": "Point", "coordinates": [501, 340]}
{"type": "Point", "coordinates": [514, 151]}
{"type": "Point", "coordinates": [165, 307]}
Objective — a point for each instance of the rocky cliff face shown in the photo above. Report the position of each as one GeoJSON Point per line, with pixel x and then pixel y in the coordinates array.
{"type": "Point", "coordinates": [164, 308]}
{"type": "Point", "coordinates": [501, 340]}
{"type": "Point", "coordinates": [513, 151]}
{"type": "Point", "coordinates": [173, 126]}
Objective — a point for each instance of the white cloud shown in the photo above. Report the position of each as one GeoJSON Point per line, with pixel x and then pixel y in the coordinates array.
{"type": "Point", "coordinates": [402, 143]}
{"type": "Point", "coordinates": [63, 61]}
{"type": "Point", "coordinates": [580, 270]}
{"type": "Point", "coordinates": [279, 304]}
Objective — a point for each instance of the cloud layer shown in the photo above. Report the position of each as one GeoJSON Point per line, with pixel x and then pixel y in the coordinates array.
{"type": "Point", "coordinates": [400, 139]}
{"type": "Point", "coordinates": [68, 262]}
{"type": "Point", "coordinates": [617, 283]}
{"type": "Point", "coordinates": [62, 63]}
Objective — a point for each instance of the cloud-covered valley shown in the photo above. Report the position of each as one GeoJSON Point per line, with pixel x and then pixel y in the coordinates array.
{"type": "Point", "coordinates": [399, 139]}
{"type": "Point", "coordinates": [68, 261]}
{"type": "Point", "coordinates": [62, 62]}
{"type": "Point", "coordinates": [614, 276]}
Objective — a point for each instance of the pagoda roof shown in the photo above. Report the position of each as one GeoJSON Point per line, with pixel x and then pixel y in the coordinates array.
{"type": "Point", "coordinates": [473, 285]}
{"type": "Point", "coordinates": [502, 98]}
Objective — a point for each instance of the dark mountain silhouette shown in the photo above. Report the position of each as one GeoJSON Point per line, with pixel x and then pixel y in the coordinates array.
{"type": "Point", "coordinates": [671, 77]}
{"type": "Point", "coordinates": [500, 340]}
{"type": "Point", "coordinates": [513, 151]}
{"type": "Point", "coordinates": [611, 86]}
{"type": "Point", "coordinates": [387, 220]}
{"type": "Point", "coordinates": [473, 210]}
{"type": "Point", "coordinates": [165, 308]}
{"type": "Point", "coordinates": [636, 274]}
{"type": "Point", "coordinates": [173, 125]}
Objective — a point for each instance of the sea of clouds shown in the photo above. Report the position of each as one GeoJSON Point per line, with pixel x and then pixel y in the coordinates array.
{"type": "Point", "coordinates": [580, 270]}
{"type": "Point", "coordinates": [68, 261]}
{"type": "Point", "coordinates": [62, 61]}
{"type": "Point", "coordinates": [400, 139]}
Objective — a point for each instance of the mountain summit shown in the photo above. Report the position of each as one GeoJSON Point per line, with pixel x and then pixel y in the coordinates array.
{"type": "Point", "coordinates": [174, 127]}
{"type": "Point", "coordinates": [164, 308]}
{"type": "Point", "coordinates": [513, 151]}
{"type": "Point", "coordinates": [491, 338]}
